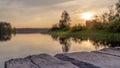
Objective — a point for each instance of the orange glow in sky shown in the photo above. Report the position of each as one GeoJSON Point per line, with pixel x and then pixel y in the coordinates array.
{"type": "Point", "coordinates": [87, 16]}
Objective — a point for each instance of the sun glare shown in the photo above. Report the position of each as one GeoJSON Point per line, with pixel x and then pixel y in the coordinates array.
{"type": "Point", "coordinates": [86, 16]}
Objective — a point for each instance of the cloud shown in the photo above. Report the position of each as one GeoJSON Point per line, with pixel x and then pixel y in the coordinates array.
{"type": "Point", "coordinates": [32, 3]}
{"type": "Point", "coordinates": [40, 11]}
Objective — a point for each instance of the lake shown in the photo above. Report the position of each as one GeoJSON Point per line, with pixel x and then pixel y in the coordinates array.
{"type": "Point", "coordinates": [22, 45]}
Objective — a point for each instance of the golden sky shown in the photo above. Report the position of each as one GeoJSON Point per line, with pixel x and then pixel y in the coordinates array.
{"type": "Point", "coordinates": [45, 13]}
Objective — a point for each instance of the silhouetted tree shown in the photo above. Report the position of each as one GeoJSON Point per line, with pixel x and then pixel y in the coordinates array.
{"type": "Point", "coordinates": [109, 20]}
{"type": "Point", "coordinates": [65, 20]}
{"type": "Point", "coordinates": [117, 8]}
{"type": "Point", "coordinates": [5, 27]}
{"type": "Point", "coordinates": [5, 31]}
{"type": "Point", "coordinates": [115, 23]}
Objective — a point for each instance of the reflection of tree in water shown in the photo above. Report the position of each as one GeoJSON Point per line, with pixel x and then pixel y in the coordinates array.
{"type": "Point", "coordinates": [5, 31]}
{"type": "Point", "coordinates": [98, 42]}
{"type": "Point", "coordinates": [64, 41]}
{"type": "Point", "coordinates": [66, 44]}
{"type": "Point", "coordinates": [80, 40]}
{"type": "Point", "coordinates": [107, 43]}
{"type": "Point", "coordinates": [5, 37]}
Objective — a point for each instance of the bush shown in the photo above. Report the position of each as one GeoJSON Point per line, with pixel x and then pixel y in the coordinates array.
{"type": "Point", "coordinates": [77, 28]}
{"type": "Point", "coordinates": [54, 27]}
{"type": "Point", "coordinates": [5, 27]}
{"type": "Point", "coordinates": [99, 26]}
{"type": "Point", "coordinates": [114, 26]}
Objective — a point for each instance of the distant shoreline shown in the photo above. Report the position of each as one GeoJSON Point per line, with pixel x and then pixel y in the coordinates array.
{"type": "Point", "coordinates": [32, 30]}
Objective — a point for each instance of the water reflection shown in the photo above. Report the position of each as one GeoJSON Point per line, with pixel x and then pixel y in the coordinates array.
{"type": "Point", "coordinates": [66, 44]}
{"type": "Point", "coordinates": [64, 41]}
{"type": "Point", "coordinates": [5, 36]}
{"type": "Point", "coordinates": [97, 43]}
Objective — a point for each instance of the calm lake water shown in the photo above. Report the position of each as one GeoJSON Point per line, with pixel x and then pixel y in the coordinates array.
{"type": "Point", "coordinates": [22, 45]}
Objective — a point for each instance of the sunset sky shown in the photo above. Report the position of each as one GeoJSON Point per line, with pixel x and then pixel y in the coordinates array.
{"type": "Point", "coordinates": [45, 13]}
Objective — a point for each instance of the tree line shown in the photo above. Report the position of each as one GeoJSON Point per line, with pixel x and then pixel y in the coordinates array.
{"type": "Point", "coordinates": [107, 21]}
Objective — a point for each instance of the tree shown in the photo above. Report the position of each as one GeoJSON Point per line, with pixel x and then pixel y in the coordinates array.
{"type": "Point", "coordinates": [115, 24]}
{"type": "Point", "coordinates": [109, 20]}
{"type": "Point", "coordinates": [65, 20]}
{"type": "Point", "coordinates": [5, 31]}
{"type": "Point", "coordinates": [5, 27]}
{"type": "Point", "coordinates": [117, 8]}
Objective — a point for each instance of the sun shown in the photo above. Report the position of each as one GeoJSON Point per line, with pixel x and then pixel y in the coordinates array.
{"type": "Point", "coordinates": [87, 16]}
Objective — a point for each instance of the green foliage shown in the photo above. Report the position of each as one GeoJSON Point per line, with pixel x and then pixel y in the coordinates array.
{"type": "Point", "coordinates": [5, 31]}
{"type": "Point", "coordinates": [77, 28]}
{"type": "Point", "coordinates": [94, 25]}
{"type": "Point", "coordinates": [114, 26]}
{"type": "Point", "coordinates": [5, 27]}
{"type": "Point", "coordinates": [109, 20]}
{"type": "Point", "coordinates": [98, 26]}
